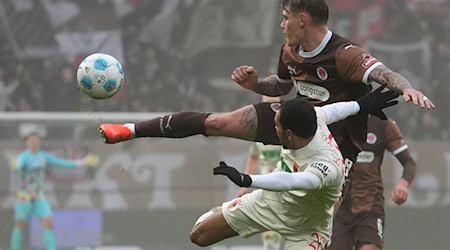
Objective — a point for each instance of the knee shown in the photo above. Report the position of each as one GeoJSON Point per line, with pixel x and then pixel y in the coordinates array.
{"type": "Point", "coordinates": [198, 237]}
{"type": "Point", "coordinates": [47, 223]}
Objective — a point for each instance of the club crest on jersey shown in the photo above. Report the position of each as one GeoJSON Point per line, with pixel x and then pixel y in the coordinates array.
{"type": "Point", "coordinates": [322, 73]}
{"type": "Point", "coordinates": [275, 106]}
{"type": "Point", "coordinates": [371, 138]}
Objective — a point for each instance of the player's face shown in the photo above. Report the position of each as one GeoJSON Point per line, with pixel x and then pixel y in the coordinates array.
{"type": "Point", "coordinates": [293, 27]}
{"type": "Point", "coordinates": [33, 143]}
{"type": "Point", "coordinates": [282, 134]}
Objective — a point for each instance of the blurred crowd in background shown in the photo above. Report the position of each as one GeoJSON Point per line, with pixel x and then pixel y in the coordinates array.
{"type": "Point", "coordinates": [178, 54]}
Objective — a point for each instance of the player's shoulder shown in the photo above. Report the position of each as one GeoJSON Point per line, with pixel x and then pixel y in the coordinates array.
{"type": "Point", "coordinates": [320, 113]}
{"type": "Point", "coordinates": [345, 48]}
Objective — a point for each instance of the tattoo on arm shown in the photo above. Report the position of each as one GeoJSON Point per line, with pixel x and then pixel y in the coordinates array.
{"type": "Point", "coordinates": [270, 86]}
{"type": "Point", "coordinates": [395, 81]}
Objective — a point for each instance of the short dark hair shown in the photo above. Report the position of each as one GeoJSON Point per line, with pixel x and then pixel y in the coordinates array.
{"type": "Point", "coordinates": [318, 9]}
{"type": "Point", "coordinates": [299, 116]}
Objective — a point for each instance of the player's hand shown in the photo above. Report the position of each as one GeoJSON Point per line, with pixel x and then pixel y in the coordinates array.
{"type": "Point", "coordinates": [91, 160]}
{"type": "Point", "coordinates": [400, 193]}
{"type": "Point", "coordinates": [246, 76]}
{"type": "Point", "coordinates": [240, 179]}
{"type": "Point", "coordinates": [242, 191]}
{"type": "Point", "coordinates": [374, 102]}
{"type": "Point", "coordinates": [418, 98]}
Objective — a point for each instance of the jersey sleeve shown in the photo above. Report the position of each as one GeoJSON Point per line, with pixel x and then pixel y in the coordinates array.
{"type": "Point", "coordinates": [59, 162]}
{"type": "Point", "coordinates": [283, 75]}
{"type": "Point", "coordinates": [283, 181]}
{"type": "Point", "coordinates": [334, 112]}
{"type": "Point", "coordinates": [394, 138]}
{"type": "Point", "coordinates": [355, 64]}
{"type": "Point", "coordinates": [326, 172]}
{"type": "Point", "coordinates": [321, 114]}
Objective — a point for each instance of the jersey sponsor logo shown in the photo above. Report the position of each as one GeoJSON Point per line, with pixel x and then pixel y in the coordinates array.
{"type": "Point", "coordinates": [324, 169]}
{"type": "Point", "coordinates": [371, 138]}
{"type": "Point", "coordinates": [312, 91]}
{"type": "Point", "coordinates": [365, 157]}
{"type": "Point", "coordinates": [322, 73]}
{"type": "Point", "coordinates": [368, 60]}
{"type": "Point", "coordinates": [275, 106]}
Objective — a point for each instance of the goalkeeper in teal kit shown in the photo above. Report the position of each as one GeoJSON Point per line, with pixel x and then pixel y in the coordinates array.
{"type": "Point", "coordinates": [29, 175]}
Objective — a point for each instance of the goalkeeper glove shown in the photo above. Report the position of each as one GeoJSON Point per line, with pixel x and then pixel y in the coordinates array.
{"type": "Point", "coordinates": [240, 179]}
{"type": "Point", "coordinates": [91, 160]}
{"type": "Point", "coordinates": [374, 102]}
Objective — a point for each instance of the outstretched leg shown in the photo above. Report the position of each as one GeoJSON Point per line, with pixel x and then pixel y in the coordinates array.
{"type": "Point", "coordinates": [210, 228]}
{"type": "Point", "coordinates": [240, 124]}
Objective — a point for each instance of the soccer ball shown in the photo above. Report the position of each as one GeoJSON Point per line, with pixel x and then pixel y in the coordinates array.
{"type": "Point", "coordinates": [100, 76]}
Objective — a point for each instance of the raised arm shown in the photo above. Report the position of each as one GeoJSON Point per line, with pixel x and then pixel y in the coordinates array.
{"type": "Point", "coordinates": [372, 103]}
{"type": "Point", "coordinates": [247, 77]}
{"type": "Point", "coordinates": [383, 75]}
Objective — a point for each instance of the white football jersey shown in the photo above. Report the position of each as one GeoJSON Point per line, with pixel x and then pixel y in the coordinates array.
{"type": "Point", "coordinates": [311, 209]}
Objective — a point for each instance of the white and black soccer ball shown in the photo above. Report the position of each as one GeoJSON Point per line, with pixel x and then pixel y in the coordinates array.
{"type": "Point", "coordinates": [100, 76]}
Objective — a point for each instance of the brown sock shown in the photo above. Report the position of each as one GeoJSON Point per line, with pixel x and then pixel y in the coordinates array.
{"type": "Point", "coordinates": [177, 125]}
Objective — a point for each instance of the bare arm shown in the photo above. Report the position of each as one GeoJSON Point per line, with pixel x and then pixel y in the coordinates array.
{"type": "Point", "coordinates": [247, 77]}
{"type": "Point", "coordinates": [399, 83]}
{"type": "Point", "coordinates": [394, 80]}
{"type": "Point", "coordinates": [400, 192]}
{"type": "Point", "coordinates": [270, 86]}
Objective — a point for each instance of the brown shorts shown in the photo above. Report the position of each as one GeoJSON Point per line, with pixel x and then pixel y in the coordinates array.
{"type": "Point", "coordinates": [266, 126]}
{"type": "Point", "coordinates": [356, 230]}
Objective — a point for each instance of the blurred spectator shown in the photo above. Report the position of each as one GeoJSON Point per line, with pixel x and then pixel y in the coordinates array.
{"type": "Point", "coordinates": [7, 87]}
{"type": "Point", "coordinates": [179, 54]}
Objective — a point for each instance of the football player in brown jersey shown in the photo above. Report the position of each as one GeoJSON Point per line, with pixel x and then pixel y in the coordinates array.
{"type": "Point", "coordinates": [359, 222]}
{"type": "Point", "coordinates": [322, 66]}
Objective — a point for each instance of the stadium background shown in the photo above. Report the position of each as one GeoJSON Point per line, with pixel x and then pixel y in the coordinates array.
{"type": "Point", "coordinates": [179, 55]}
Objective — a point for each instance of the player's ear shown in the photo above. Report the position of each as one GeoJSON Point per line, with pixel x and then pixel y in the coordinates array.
{"type": "Point", "coordinates": [301, 18]}
{"type": "Point", "coordinates": [289, 134]}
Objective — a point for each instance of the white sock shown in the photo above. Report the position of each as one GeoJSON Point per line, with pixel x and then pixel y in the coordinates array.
{"type": "Point", "coordinates": [130, 126]}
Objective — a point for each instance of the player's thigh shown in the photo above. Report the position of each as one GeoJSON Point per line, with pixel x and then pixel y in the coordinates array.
{"type": "Point", "coordinates": [42, 209]}
{"type": "Point", "coordinates": [249, 214]}
{"type": "Point", "coordinates": [266, 125]}
{"type": "Point", "coordinates": [241, 123]}
{"type": "Point", "coordinates": [22, 211]}
{"type": "Point", "coordinates": [211, 230]}
{"type": "Point", "coordinates": [370, 231]}
{"type": "Point", "coordinates": [342, 236]}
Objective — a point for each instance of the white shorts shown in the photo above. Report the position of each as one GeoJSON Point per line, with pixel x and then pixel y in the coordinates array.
{"type": "Point", "coordinates": [249, 215]}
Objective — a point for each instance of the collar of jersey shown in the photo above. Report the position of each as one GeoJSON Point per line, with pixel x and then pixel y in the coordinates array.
{"type": "Point", "coordinates": [316, 51]}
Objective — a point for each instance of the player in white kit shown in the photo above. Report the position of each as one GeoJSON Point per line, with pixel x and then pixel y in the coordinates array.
{"type": "Point", "coordinates": [297, 200]}
{"type": "Point", "coordinates": [264, 158]}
